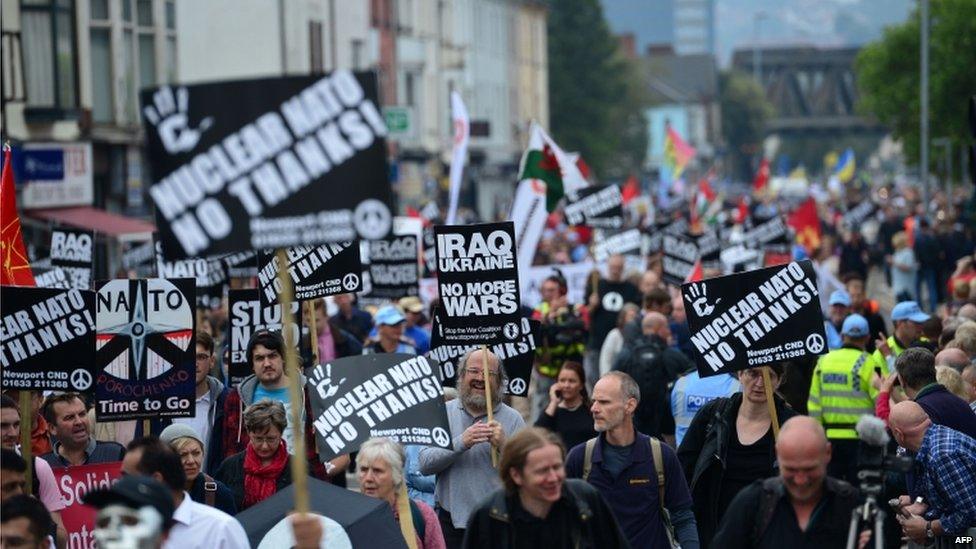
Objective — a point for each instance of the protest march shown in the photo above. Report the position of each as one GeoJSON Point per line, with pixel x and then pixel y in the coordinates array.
{"type": "Point", "coordinates": [494, 274]}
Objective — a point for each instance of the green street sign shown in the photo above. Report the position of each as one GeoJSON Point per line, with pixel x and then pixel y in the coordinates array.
{"type": "Point", "coordinates": [397, 120]}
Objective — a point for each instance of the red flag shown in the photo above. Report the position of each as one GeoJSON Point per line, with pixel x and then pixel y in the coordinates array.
{"type": "Point", "coordinates": [743, 212]}
{"type": "Point", "coordinates": [696, 272]}
{"type": "Point", "coordinates": [583, 167]}
{"type": "Point", "coordinates": [631, 190]}
{"type": "Point", "coordinates": [14, 265]}
{"type": "Point", "coordinates": [705, 188]}
{"type": "Point", "coordinates": [412, 212]}
{"type": "Point", "coordinates": [762, 176]}
{"type": "Point", "coordinates": [806, 222]}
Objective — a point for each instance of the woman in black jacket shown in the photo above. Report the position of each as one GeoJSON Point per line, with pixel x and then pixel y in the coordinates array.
{"type": "Point", "coordinates": [729, 445]}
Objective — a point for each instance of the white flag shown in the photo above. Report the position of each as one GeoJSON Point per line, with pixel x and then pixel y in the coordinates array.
{"type": "Point", "coordinates": [462, 133]}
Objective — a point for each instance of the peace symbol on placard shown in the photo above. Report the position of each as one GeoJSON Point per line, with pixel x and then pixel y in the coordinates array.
{"type": "Point", "coordinates": [81, 379]}
{"type": "Point", "coordinates": [517, 386]}
{"type": "Point", "coordinates": [441, 438]}
{"type": "Point", "coordinates": [350, 282]}
{"type": "Point", "coordinates": [815, 343]}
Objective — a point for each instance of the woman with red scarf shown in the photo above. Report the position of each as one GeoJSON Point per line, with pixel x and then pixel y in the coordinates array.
{"type": "Point", "coordinates": [263, 467]}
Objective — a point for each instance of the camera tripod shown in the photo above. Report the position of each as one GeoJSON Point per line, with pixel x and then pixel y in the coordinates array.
{"type": "Point", "coordinates": [870, 514]}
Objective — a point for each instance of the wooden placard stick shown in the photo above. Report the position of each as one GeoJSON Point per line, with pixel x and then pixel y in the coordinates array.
{"type": "Point", "coordinates": [25, 438]}
{"type": "Point", "coordinates": [770, 404]}
{"type": "Point", "coordinates": [488, 402]}
{"type": "Point", "coordinates": [299, 465]}
{"type": "Point", "coordinates": [313, 334]}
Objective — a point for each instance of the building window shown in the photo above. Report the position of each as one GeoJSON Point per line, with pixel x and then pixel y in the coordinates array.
{"type": "Point", "coordinates": [49, 54]}
{"type": "Point", "coordinates": [315, 46]}
{"type": "Point", "coordinates": [357, 54]}
{"type": "Point", "coordinates": [169, 69]}
{"type": "Point", "coordinates": [409, 91]}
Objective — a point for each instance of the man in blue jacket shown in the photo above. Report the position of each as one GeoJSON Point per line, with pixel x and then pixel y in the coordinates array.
{"type": "Point", "coordinates": [211, 393]}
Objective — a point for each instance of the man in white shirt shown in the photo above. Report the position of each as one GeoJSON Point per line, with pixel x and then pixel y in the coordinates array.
{"type": "Point", "coordinates": [194, 524]}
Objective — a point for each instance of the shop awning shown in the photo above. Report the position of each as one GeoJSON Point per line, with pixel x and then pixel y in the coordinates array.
{"type": "Point", "coordinates": [101, 221]}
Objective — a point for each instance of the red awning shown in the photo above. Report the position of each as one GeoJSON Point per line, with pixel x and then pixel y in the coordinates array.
{"type": "Point", "coordinates": [87, 217]}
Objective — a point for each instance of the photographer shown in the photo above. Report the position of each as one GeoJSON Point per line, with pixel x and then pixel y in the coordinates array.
{"type": "Point", "coordinates": [945, 476]}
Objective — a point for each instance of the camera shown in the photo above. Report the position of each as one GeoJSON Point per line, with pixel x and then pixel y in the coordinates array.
{"type": "Point", "coordinates": [873, 459]}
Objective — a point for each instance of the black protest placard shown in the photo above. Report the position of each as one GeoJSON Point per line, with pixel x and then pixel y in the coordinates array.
{"type": "Point", "coordinates": [241, 265]}
{"type": "Point", "coordinates": [51, 278]}
{"type": "Point", "coordinates": [478, 283]}
{"type": "Point", "coordinates": [856, 215]}
{"type": "Point", "coordinates": [208, 276]}
{"type": "Point", "coordinates": [315, 271]}
{"type": "Point", "coordinates": [773, 231]}
{"type": "Point", "coordinates": [393, 268]}
{"type": "Point", "coordinates": [755, 318]}
{"type": "Point", "coordinates": [709, 250]}
{"type": "Point", "coordinates": [626, 242]}
{"type": "Point", "coordinates": [599, 206]}
{"type": "Point", "coordinates": [73, 251]}
{"type": "Point", "coordinates": [139, 256]}
{"type": "Point", "coordinates": [429, 252]}
{"type": "Point", "coordinates": [517, 356]}
{"type": "Point", "coordinates": [267, 163]}
{"type": "Point", "coordinates": [396, 395]}
{"type": "Point", "coordinates": [246, 316]}
{"type": "Point", "coordinates": [680, 255]}
{"type": "Point", "coordinates": [47, 339]}
{"type": "Point", "coordinates": [144, 349]}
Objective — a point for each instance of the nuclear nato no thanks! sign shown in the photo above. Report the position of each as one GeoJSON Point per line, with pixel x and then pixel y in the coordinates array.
{"type": "Point", "coordinates": [755, 318]}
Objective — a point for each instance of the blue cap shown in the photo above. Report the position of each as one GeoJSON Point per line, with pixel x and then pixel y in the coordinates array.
{"type": "Point", "coordinates": [855, 326]}
{"type": "Point", "coordinates": [389, 316]}
{"type": "Point", "coordinates": [840, 297]}
{"type": "Point", "coordinates": [908, 310]}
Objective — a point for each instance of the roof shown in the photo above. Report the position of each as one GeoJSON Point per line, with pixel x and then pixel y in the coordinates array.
{"type": "Point", "coordinates": [680, 78]}
{"type": "Point", "coordinates": [87, 217]}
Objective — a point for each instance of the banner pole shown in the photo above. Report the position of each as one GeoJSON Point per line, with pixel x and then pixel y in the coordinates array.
{"type": "Point", "coordinates": [488, 402]}
{"type": "Point", "coordinates": [299, 465]}
{"type": "Point", "coordinates": [770, 404]}
{"type": "Point", "coordinates": [313, 334]}
{"type": "Point", "coordinates": [146, 427]}
{"type": "Point", "coordinates": [25, 439]}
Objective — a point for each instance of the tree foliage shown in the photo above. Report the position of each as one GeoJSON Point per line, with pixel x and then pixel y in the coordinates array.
{"type": "Point", "coordinates": [888, 74]}
{"type": "Point", "coordinates": [744, 114]}
{"type": "Point", "coordinates": [595, 97]}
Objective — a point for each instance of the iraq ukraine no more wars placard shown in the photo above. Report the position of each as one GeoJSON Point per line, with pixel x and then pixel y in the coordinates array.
{"type": "Point", "coordinates": [478, 283]}
{"type": "Point", "coordinates": [754, 318]}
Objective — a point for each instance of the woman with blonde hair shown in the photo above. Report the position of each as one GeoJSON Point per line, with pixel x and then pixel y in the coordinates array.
{"type": "Point", "coordinates": [952, 380]}
{"type": "Point", "coordinates": [202, 488]}
{"type": "Point", "coordinates": [904, 268]}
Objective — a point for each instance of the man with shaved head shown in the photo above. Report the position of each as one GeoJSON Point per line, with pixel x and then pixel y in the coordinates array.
{"type": "Point", "coordinates": [952, 357]}
{"type": "Point", "coordinates": [944, 475]}
{"type": "Point", "coordinates": [655, 365]}
{"type": "Point", "coordinates": [803, 507]}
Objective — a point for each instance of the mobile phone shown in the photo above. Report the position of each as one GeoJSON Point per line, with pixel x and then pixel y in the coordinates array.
{"type": "Point", "coordinates": [559, 394]}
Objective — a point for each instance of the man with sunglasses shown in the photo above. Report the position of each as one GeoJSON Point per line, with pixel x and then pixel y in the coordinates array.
{"type": "Point", "coordinates": [464, 473]}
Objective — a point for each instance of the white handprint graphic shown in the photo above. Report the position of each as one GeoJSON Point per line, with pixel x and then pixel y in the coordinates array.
{"type": "Point", "coordinates": [322, 379]}
{"type": "Point", "coordinates": [169, 115]}
{"type": "Point", "coordinates": [699, 300]}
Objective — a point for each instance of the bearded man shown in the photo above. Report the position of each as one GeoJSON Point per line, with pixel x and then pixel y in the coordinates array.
{"type": "Point", "coordinates": [464, 473]}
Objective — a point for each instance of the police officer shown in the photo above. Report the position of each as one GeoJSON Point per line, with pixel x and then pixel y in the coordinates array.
{"type": "Point", "coordinates": [907, 318]}
{"type": "Point", "coordinates": [841, 391]}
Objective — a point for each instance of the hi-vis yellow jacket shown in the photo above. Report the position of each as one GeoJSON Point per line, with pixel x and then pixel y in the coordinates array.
{"type": "Point", "coordinates": [841, 391]}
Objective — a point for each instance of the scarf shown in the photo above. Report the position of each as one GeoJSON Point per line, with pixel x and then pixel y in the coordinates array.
{"type": "Point", "coordinates": [261, 481]}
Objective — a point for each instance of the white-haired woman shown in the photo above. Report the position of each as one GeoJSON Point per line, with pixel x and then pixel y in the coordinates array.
{"type": "Point", "coordinates": [379, 468]}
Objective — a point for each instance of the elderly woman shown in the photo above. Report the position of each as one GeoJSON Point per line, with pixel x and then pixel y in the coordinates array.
{"type": "Point", "coordinates": [379, 468]}
{"type": "Point", "coordinates": [202, 488]}
{"type": "Point", "coordinates": [262, 468]}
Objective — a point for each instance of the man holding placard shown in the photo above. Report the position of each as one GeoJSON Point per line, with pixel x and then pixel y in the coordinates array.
{"type": "Point", "coordinates": [465, 473]}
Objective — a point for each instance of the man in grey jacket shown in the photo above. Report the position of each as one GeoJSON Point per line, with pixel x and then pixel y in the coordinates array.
{"type": "Point", "coordinates": [464, 473]}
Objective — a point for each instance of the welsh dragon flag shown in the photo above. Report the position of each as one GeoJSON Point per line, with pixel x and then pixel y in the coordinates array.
{"type": "Point", "coordinates": [543, 160]}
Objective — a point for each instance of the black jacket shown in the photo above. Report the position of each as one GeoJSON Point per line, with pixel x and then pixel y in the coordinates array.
{"type": "Point", "coordinates": [590, 522]}
{"type": "Point", "coordinates": [655, 367]}
{"type": "Point", "coordinates": [702, 455]}
{"type": "Point", "coordinates": [223, 497]}
{"type": "Point", "coordinates": [231, 473]}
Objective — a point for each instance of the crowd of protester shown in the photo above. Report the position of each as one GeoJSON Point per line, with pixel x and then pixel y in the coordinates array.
{"type": "Point", "coordinates": [620, 443]}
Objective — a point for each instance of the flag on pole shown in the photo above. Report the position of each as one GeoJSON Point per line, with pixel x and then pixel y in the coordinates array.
{"type": "Point", "coordinates": [545, 161]}
{"type": "Point", "coordinates": [742, 213]}
{"type": "Point", "coordinates": [14, 266]}
{"type": "Point", "coordinates": [845, 166]}
{"type": "Point", "coordinates": [677, 153]}
{"type": "Point", "coordinates": [806, 223]}
{"type": "Point", "coordinates": [462, 134]}
{"type": "Point", "coordinates": [696, 272]}
{"type": "Point", "coordinates": [762, 176]}
{"type": "Point", "coordinates": [630, 190]}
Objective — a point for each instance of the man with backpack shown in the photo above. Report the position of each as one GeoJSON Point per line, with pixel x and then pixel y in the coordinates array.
{"type": "Point", "coordinates": [655, 366]}
{"type": "Point", "coordinates": [639, 477]}
{"type": "Point", "coordinates": [802, 507]}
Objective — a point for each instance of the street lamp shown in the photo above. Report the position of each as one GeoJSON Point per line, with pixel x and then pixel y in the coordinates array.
{"type": "Point", "coordinates": [756, 52]}
{"type": "Point", "coordinates": [924, 122]}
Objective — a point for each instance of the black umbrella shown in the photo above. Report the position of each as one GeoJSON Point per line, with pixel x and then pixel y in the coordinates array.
{"type": "Point", "coordinates": [367, 521]}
